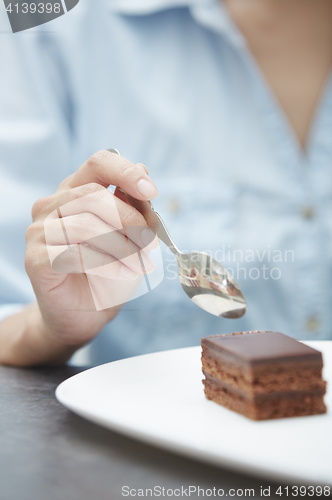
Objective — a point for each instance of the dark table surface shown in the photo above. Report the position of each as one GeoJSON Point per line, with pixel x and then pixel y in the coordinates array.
{"type": "Point", "coordinates": [48, 452]}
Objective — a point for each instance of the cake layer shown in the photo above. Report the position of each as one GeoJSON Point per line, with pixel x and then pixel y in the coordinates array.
{"type": "Point", "coordinates": [261, 362]}
{"type": "Point", "coordinates": [268, 406]}
{"type": "Point", "coordinates": [277, 377]}
{"type": "Point", "coordinates": [261, 397]}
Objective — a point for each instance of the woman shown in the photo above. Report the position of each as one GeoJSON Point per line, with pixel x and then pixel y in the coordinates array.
{"type": "Point", "coordinates": [229, 105]}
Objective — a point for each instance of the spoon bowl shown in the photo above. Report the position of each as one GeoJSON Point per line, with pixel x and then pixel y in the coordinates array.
{"type": "Point", "coordinates": [209, 285]}
{"type": "Point", "coordinates": [206, 282]}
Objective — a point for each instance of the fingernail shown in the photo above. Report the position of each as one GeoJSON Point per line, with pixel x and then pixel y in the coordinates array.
{"type": "Point", "coordinates": [147, 189]}
{"type": "Point", "coordinates": [128, 273]}
{"type": "Point", "coordinates": [144, 167]}
{"type": "Point", "coordinates": [147, 236]}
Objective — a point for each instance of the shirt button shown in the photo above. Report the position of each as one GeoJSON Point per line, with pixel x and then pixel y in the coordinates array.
{"type": "Point", "coordinates": [307, 212]}
{"type": "Point", "coordinates": [312, 324]}
{"type": "Point", "coordinates": [174, 206]}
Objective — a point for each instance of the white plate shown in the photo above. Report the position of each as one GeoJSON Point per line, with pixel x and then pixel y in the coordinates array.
{"type": "Point", "coordinates": [158, 398]}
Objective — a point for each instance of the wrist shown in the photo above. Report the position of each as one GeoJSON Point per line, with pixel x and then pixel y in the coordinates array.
{"type": "Point", "coordinates": [44, 348]}
{"type": "Point", "coordinates": [26, 340]}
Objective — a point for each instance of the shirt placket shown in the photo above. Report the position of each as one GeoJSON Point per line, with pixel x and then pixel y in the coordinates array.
{"type": "Point", "coordinates": [312, 291]}
{"type": "Point", "coordinates": [307, 173]}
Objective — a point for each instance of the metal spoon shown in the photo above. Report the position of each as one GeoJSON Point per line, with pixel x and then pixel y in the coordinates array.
{"type": "Point", "coordinates": [206, 282]}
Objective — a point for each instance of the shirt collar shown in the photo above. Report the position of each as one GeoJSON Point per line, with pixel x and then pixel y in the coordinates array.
{"type": "Point", "coordinates": [210, 13]}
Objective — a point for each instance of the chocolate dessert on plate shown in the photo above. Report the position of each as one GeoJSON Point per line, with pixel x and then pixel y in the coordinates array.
{"type": "Point", "coordinates": [263, 375]}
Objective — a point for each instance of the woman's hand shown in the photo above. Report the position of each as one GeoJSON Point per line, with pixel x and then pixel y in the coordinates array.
{"type": "Point", "coordinates": [84, 258]}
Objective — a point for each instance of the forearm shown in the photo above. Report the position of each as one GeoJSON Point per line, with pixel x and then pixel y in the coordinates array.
{"type": "Point", "coordinates": [25, 341]}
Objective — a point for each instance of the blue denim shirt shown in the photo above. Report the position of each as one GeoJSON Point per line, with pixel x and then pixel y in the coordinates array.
{"type": "Point", "coordinates": [173, 85]}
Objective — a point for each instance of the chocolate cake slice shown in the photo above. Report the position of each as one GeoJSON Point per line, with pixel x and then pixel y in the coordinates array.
{"type": "Point", "coordinates": [263, 375]}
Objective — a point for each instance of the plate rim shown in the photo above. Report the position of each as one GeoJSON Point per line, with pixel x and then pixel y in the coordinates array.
{"type": "Point", "coordinates": [171, 446]}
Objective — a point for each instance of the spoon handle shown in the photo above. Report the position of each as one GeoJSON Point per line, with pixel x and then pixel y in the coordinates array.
{"type": "Point", "coordinates": [164, 235]}
{"type": "Point", "coordinates": [152, 218]}
{"type": "Point", "coordinates": [155, 222]}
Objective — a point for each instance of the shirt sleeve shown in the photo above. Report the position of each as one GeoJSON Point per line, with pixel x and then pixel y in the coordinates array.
{"type": "Point", "coordinates": [36, 144]}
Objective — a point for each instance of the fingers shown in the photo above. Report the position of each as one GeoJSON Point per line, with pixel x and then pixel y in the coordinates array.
{"type": "Point", "coordinates": [88, 229]}
{"type": "Point", "coordinates": [142, 165]}
{"type": "Point", "coordinates": [98, 211]}
{"type": "Point", "coordinates": [83, 259]}
{"type": "Point", "coordinates": [107, 168]}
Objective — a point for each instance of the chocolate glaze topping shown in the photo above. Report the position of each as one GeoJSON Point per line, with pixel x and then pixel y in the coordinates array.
{"type": "Point", "coordinates": [260, 346]}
